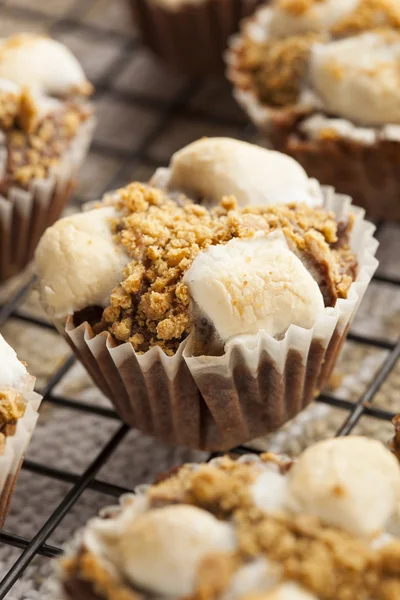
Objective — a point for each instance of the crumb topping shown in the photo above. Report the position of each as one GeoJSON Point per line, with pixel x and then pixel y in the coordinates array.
{"type": "Point", "coordinates": [162, 238]}
{"type": "Point", "coordinates": [326, 561]}
{"type": "Point", "coordinates": [276, 69]}
{"type": "Point", "coordinates": [34, 144]}
{"type": "Point", "coordinates": [12, 408]}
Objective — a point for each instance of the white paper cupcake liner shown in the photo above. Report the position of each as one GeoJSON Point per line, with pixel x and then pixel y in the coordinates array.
{"type": "Point", "coordinates": [215, 403]}
{"type": "Point", "coordinates": [25, 214]}
{"type": "Point", "coordinates": [14, 450]}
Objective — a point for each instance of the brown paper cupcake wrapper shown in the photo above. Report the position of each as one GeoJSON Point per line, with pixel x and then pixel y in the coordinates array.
{"type": "Point", "coordinates": [369, 173]}
{"type": "Point", "coordinates": [14, 450]}
{"type": "Point", "coordinates": [190, 36]}
{"type": "Point", "coordinates": [214, 403]}
{"type": "Point", "coordinates": [25, 214]}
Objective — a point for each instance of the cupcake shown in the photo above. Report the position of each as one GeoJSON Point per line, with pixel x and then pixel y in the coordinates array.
{"type": "Point", "coordinates": [211, 304]}
{"type": "Point", "coordinates": [321, 80]}
{"type": "Point", "coordinates": [325, 527]}
{"type": "Point", "coordinates": [18, 415]}
{"type": "Point", "coordinates": [190, 35]}
{"type": "Point", "coordinates": [46, 125]}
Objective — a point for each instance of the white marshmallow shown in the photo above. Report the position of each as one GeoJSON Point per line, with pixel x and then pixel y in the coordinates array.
{"type": "Point", "coordinates": [289, 591]}
{"type": "Point", "coordinates": [258, 575]}
{"type": "Point", "coordinates": [253, 284]}
{"type": "Point", "coordinates": [162, 549]}
{"type": "Point", "coordinates": [78, 263]}
{"type": "Point", "coordinates": [212, 168]}
{"type": "Point", "coordinates": [269, 491]}
{"type": "Point", "coordinates": [358, 78]}
{"type": "Point", "coordinates": [352, 483]}
{"type": "Point", "coordinates": [43, 64]}
{"type": "Point", "coordinates": [13, 374]}
{"type": "Point", "coordinates": [319, 16]}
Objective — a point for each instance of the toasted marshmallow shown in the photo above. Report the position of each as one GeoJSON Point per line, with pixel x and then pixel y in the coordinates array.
{"type": "Point", "coordinates": [161, 550]}
{"type": "Point", "coordinates": [12, 372]}
{"type": "Point", "coordinates": [287, 19]}
{"type": "Point", "coordinates": [352, 483]}
{"type": "Point", "coordinates": [253, 284]}
{"type": "Point", "coordinates": [212, 168]}
{"type": "Point", "coordinates": [358, 78]}
{"type": "Point", "coordinates": [42, 64]}
{"type": "Point", "coordinates": [78, 262]}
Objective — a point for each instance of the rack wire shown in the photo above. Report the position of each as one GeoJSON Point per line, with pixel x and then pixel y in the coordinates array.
{"type": "Point", "coordinates": [179, 105]}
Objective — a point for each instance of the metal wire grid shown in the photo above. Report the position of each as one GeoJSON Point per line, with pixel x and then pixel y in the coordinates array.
{"type": "Point", "coordinates": [178, 106]}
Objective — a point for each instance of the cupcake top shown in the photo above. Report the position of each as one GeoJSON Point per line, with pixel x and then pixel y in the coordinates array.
{"type": "Point", "coordinates": [167, 266]}
{"type": "Point", "coordinates": [15, 386]}
{"type": "Point", "coordinates": [42, 88]}
{"type": "Point", "coordinates": [325, 527]}
{"type": "Point", "coordinates": [334, 59]}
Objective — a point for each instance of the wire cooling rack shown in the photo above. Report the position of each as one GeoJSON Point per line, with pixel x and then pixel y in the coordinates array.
{"type": "Point", "coordinates": [144, 114]}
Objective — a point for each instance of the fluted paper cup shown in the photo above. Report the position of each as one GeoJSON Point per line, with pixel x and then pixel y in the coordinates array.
{"type": "Point", "coordinates": [190, 36]}
{"type": "Point", "coordinates": [14, 449]}
{"type": "Point", "coordinates": [217, 402]}
{"type": "Point", "coordinates": [26, 213]}
{"type": "Point", "coordinates": [368, 172]}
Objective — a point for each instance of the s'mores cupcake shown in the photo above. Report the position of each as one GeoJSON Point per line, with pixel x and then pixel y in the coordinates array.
{"type": "Point", "coordinates": [321, 79]}
{"type": "Point", "coordinates": [46, 126]}
{"type": "Point", "coordinates": [18, 415]}
{"type": "Point", "coordinates": [190, 35]}
{"type": "Point", "coordinates": [211, 304]}
{"type": "Point", "coordinates": [322, 527]}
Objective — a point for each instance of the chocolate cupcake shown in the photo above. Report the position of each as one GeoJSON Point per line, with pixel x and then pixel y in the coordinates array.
{"type": "Point", "coordinates": [190, 35]}
{"type": "Point", "coordinates": [18, 415]}
{"type": "Point", "coordinates": [46, 126]}
{"type": "Point", "coordinates": [210, 305]}
{"type": "Point", "coordinates": [325, 526]}
{"type": "Point", "coordinates": [321, 80]}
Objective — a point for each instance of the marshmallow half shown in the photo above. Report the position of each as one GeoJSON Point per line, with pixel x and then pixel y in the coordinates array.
{"type": "Point", "coordinates": [253, 284]}
{"type": "Point", "coordinates": [78, 263]}
{"type": "Point", "coordinates": [212, 168]}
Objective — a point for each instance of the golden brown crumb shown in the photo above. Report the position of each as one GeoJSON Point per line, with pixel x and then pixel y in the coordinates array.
{"type": "Point", "coordinates": [369, 15]}
{"type": "Point", "coordinates": [283, 68]}
{"type": "Point", "coordinates": [162, 237]}
{"type": "Point", "coordinates": [37, 147]}
{"type": "Point", "coordinates": [297, 7]}
{"type": "Point", "coordinates": [12, 408]}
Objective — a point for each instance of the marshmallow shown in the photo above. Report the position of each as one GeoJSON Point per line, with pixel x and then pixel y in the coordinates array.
{"type": "Point", "coordinates": [212, 168]}
{"type": "Point", "coordinates": [12, 372]}
{"type": "Point", "coordinates": [43, 64]}
{"type": "Point", "coordinates": [289, 591]}
{"type": "Point", "coordinates": [161, 550]}
{"type": "Point", "coordinates": [352, 483]}
{"type": "Point", "coordinates": [358, 78]}
{"type": "Point", "coordinates": [315, 126]}
{"type": "Point", "coordinates": [78, 263]}
{"type": "Point", "coordinates": [320, 15]}
{"type": "Point", "coordinates": [269, 491]}
{"type": "Point", "coordinates": [253, 284]}
{"type": "Point", "coordinates": [260, 574]}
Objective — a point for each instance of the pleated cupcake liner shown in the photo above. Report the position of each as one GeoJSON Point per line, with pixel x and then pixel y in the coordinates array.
{"type": "Point", "coordinates": [368, 172]}
{"type": "Point", "coordinates": [217, 402]}
{"type": "Point", "coordinates": [15, 446]}
{"type": "Point", "coordinates": [26, 213]}
{"type": "Point", "coordinates": [190, 36]}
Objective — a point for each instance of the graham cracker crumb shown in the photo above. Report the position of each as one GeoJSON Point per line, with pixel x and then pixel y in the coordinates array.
{"type": "Point", "coordinates": [297, 7]}
{"type": "Point", "coordinates": [162, 238]}
{"type": "Point", "coordinates": [12, 408]}
{"type": "Point", "coordinates": [368, 15]}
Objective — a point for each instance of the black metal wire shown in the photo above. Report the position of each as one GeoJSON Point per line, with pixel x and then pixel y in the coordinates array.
{"type": "Point", "coordinates": [166, 110]}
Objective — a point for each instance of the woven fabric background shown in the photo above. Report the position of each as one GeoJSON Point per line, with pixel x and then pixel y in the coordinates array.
{"type": "Point", "coordinates": [145, 113]}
